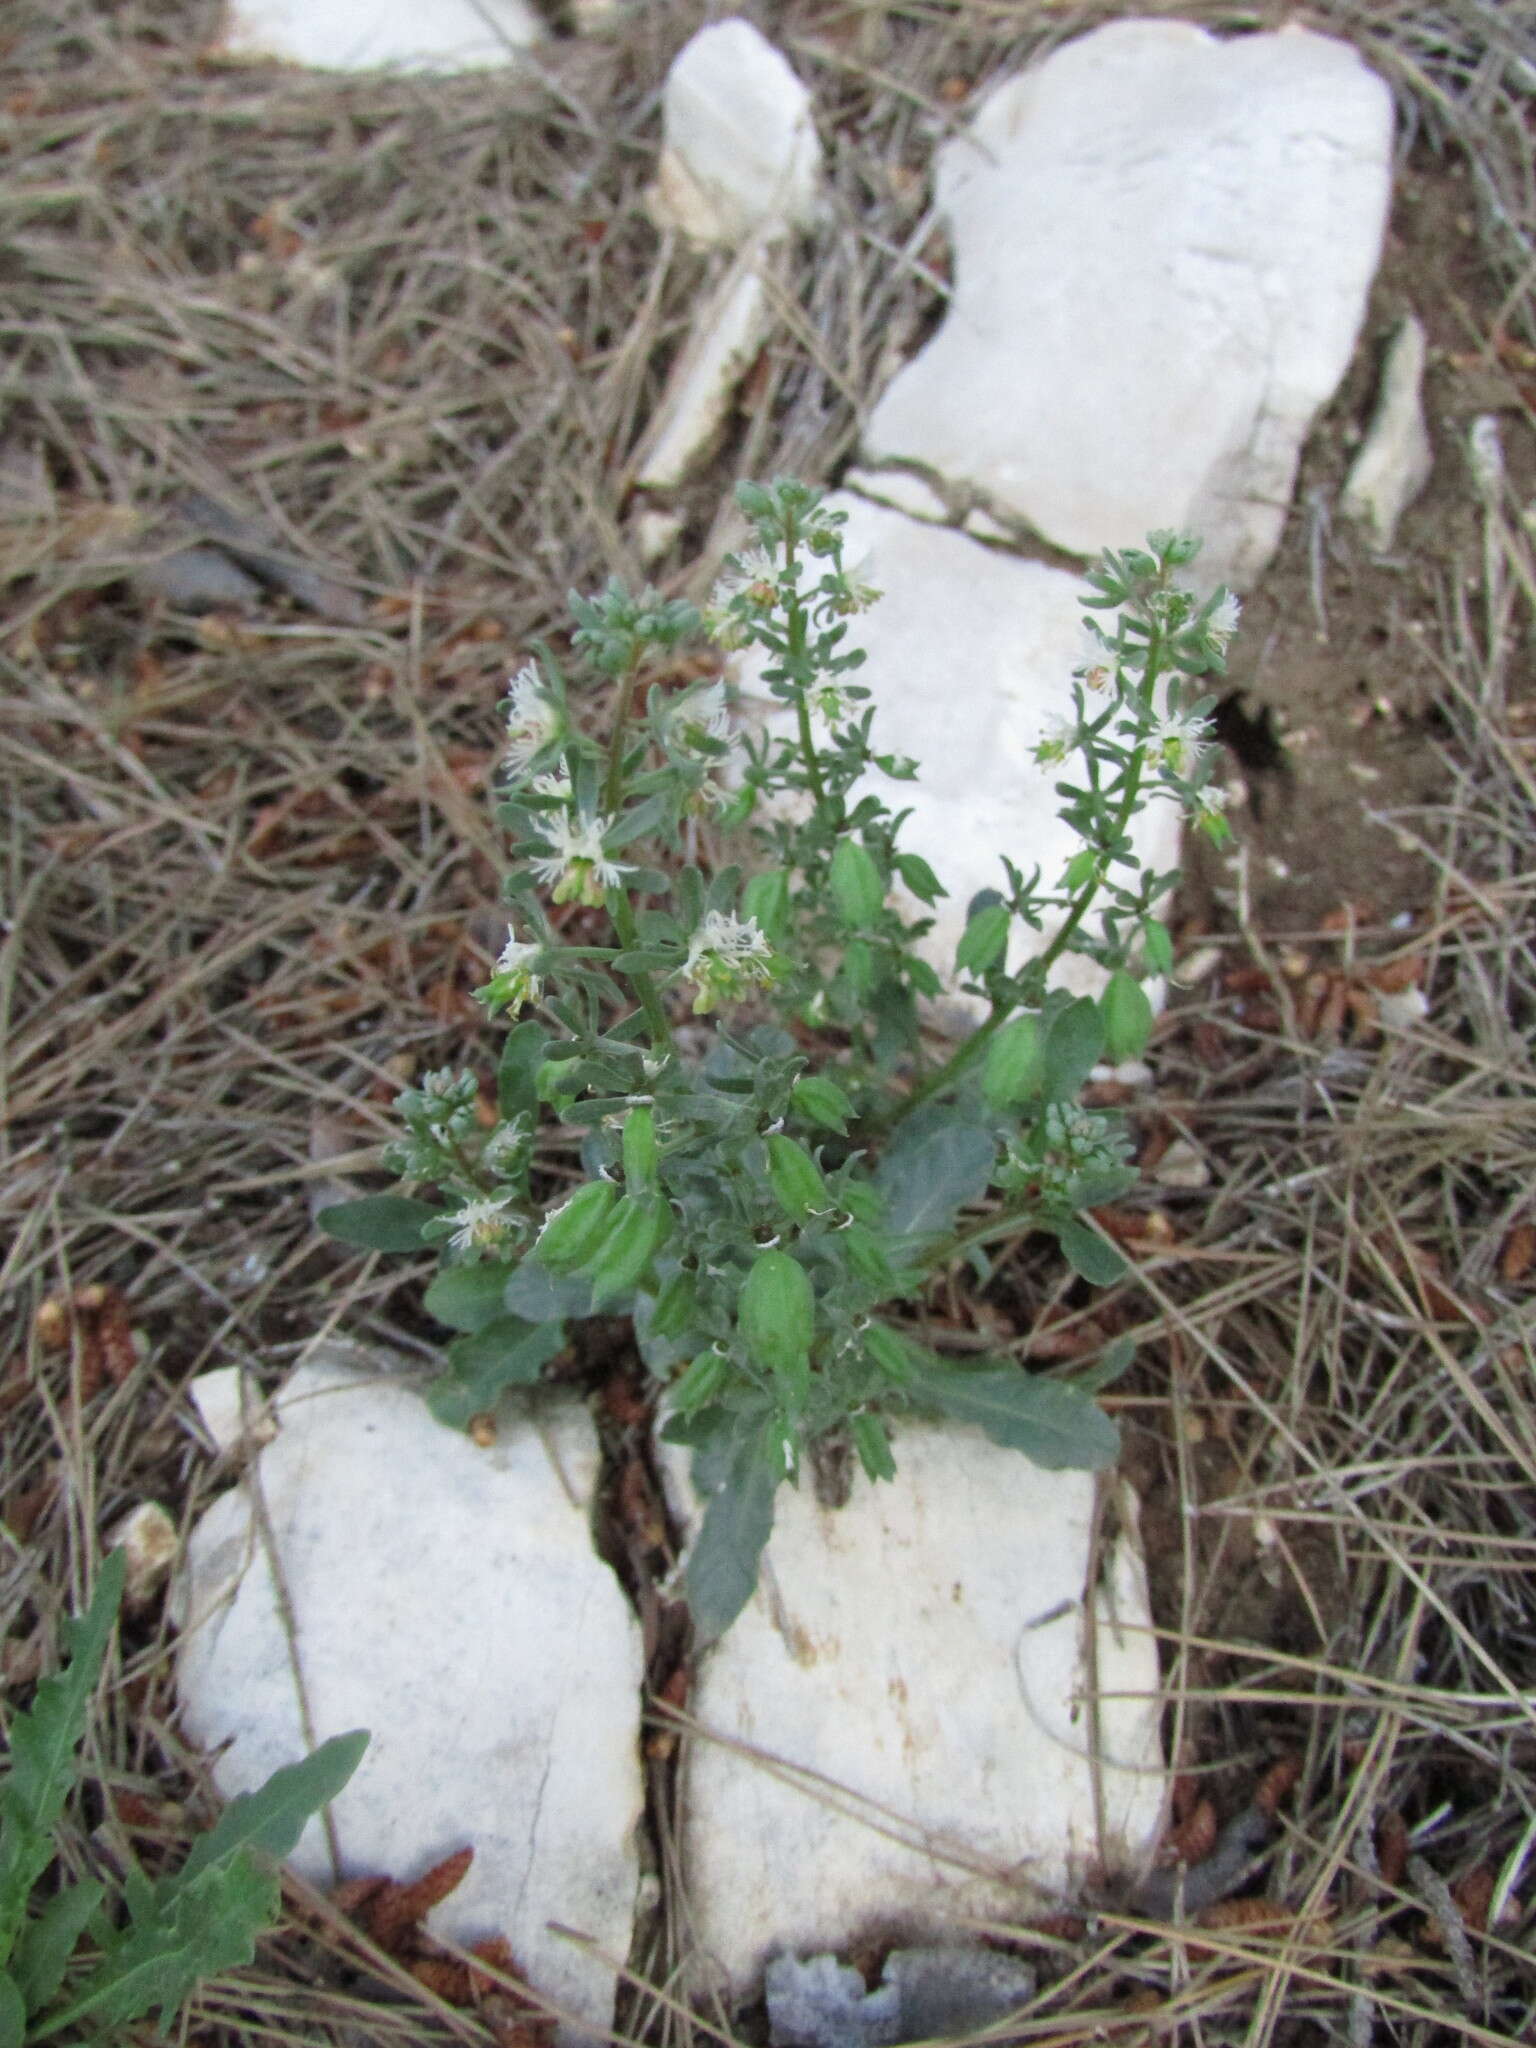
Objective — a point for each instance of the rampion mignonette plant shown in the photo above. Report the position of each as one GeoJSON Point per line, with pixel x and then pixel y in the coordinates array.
{"type": "Point", "coordinates": [769, 1197]}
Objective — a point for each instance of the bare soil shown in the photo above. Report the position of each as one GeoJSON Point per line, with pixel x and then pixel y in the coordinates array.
{"type": "Point", "coordinates": [413, 330]}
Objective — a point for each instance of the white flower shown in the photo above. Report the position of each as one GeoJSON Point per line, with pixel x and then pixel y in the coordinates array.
{"type": "Point", "coordinates": [1221, 623]}
{"type": "Point", "coordinates": [482, 1224]}
{"type": "Point", "coordinates": [533, 717]}
{"type": "Point", "coordinates": [576, 864]}
{"type": "Point", "coordinates": [753, 575]}
{"type": "Point", "coordinates": [1058, 738]}
{"type": "Point", "coordinates": [696, 731]}
{"type": "Point", "coordinates": [553, 785]}
{"type": "Point", "coordinates": [513, 982]}
{"type": "Point", "coordinates": [1096, 664]}
{"type": "Point", "coordinates": [726, 956]}
{"type": "Point", "coordinates": [857, 593]}
{"type": "Point", "coordinates": [1177, 741]}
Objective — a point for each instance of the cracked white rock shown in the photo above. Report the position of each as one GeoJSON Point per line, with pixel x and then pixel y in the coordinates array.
{"type": "Point", "coordinates": [740, 155]}
{"type": "Point", "coordinates": [1396, 456]}
{"type": "Point", "coordinates": [448, 1599]}
{"type": "Point", "coordinates": [729, 331]}
{"type": "Point", "coordinates": [1163, 245]}
{"type": "Point", "coordinates": [375, 35]}
{"type": "Point", "coordinates": [901, 1726]}
{"type": "Point", "coordinates": [971, 652]}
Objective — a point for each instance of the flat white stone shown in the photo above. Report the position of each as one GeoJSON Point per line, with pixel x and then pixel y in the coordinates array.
{"type": "Point", "coordinates": [231, 1408]}
{"type": "Point", "coordinates": [971, 653]}
{"type": "Point", "coordinates": [729, 332]}
{"type": "Point", "coordinates": [1396, 457]}
{"type": "Point", "coordinates": [1163, 245]}
{"type": "Point", "coordinates": [377, 35]}
{"type": "Point", "coordinates": [901, 1718]}
{"type": "Point", "coordinates": [740, 154]}
{"type": "Point", "coordinates": [447, 1598]}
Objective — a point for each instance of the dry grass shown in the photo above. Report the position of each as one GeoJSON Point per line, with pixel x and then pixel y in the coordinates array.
{"type": "Point", "coordinates": [248, 881]}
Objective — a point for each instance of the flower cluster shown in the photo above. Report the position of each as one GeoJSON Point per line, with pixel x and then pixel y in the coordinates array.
{"type": "Point", "coordinates": [534, 720]}
{"type": "Point", "coordinates": [573, 865]}
{"type": "Point", "coordinates": [515, 980]}
{"type": "Point", "coordinates": [727, 957]}
{"type": "Point", "coordinates": [702, 743]}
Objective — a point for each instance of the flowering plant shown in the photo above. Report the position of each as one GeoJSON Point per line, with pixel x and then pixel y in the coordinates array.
{"type": "Point", "coordinates": [768, 1195]}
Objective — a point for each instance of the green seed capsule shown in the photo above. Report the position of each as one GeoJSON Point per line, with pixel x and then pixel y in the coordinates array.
{"type": "Point", "coordinates": [777, 1318]}
{"type": "Point", "coordinates": [575, 1230]}
{"type": "Point", "coordinates": [637, 1232]}
{"type": "Point", "coordinates": [796, 1179]}
{"type": "Point", "coordinates": [639, 1147]}
{"type": "Point", "coordinates": [699, 1383]}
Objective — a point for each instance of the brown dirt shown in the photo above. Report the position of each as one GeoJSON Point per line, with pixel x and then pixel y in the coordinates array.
{"type": "Point", "coordinates": [249, 883]}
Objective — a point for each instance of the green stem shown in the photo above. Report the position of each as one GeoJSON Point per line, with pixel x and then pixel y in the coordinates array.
{"type": "Point", "coordinates": [613, 782]}
{"type": "Point", "coordinates": [953, 1067]}
{"type": "Point", "coordinates": [798, 617]}
{"type": "Point", "coordinates": [638, 978]}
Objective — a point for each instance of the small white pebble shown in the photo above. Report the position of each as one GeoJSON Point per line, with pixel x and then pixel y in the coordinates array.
{"type": "Point", "coordinates": [148, 1536]}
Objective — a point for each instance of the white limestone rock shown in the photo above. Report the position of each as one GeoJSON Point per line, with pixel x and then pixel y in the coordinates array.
{"type": "Point", "coordinates": [1163, 245]}
{"type": "Point", "coordinates": [971, 653]}
{"type": "Point", "coordinates": [729, 332]}
{"type": "Point", "coordinates": [377, 35]}
{"type": "Point", "coordinates": [232, 1409]}
{"type": "Point", "coordinates": [447, 1598]}
{"type": "Point", "coordinates": [740, 155]}
{"type": "Point", "coordinates": [903, 1717]}
{"type": "Point", "coordinates": [1396, 457]}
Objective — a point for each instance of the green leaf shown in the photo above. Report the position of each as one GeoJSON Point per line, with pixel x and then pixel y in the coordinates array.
{"type": "Point", "coordinates": [919, 878]}
{"type": "Point", "coordinates": [1127, 1017]}
{"type": "Point", "coordinates": [522, 1055]}
{"type": "Point", "coordinates": [985, 939]}
{"type": "Point", "coordinates": [931, 1171]}
{"type": "Point", "coordinates": [48, 1942]}
{"type": "Point", "coordinates": [194, 1932]}
{"type": "Point", "coordinates": [1112, 1364]}
{"type": "Point", "coordinates": [821, 1101]}
{"type": "Point", "coordinates": [858, 888]}
{"type": "Point", "coordinates": [13, 2013]}
{"type": "Point", "coordinates": [766, 898]}
{"type": "Point", "coordinates": [505, 1353]}
{"type": "Point", "coordinates": [1052, 1422]}
{"type": "Point", "coordinates": [1013, 1067]}
{"type": "Point", "coordinates": [43, 1744]}
{"type": "Point", "coordinates": [1073, 1043]}
{"type": "Point", "coordinates": [535, 1294]}
{"type": "Point", "coordinates": [468, 1297]}
{"type": "Point", "coordinates": [723, 1564]}
{"type": "Point", "coordinates": [273, 1817]}
{"type": "Point", "coordinates": [1089, 1254]}
{"type": "Point", "coordinates": [206, 1917]}
{"type": "Point", "coordinates": [1159, 944]}
{"type": "Point", "coordinates": [378, 1223]}
{"type": "Point", "coordinates": [873, 1444]}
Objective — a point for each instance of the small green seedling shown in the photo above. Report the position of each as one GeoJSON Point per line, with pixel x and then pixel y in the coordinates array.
{"type": "Point", "coordinates": [90, 1954]}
